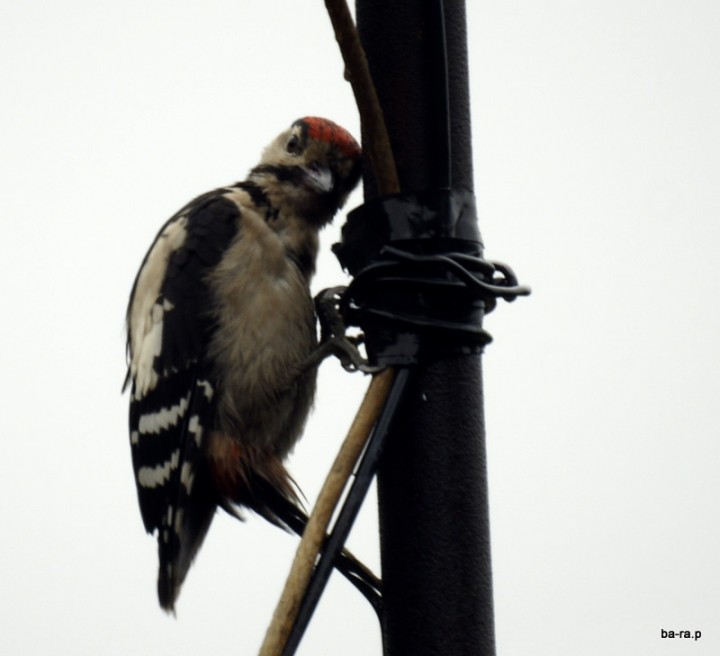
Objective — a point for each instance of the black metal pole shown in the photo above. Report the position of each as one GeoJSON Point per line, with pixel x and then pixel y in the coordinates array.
{"type": "Point", "coordinates": [437, 581]}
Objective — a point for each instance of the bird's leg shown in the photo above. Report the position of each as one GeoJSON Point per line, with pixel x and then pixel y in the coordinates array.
{"type": "Point", "coordinates": [333, 339]}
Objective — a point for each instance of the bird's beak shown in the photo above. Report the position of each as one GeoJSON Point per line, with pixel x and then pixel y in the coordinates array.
{"type": "Point", "coordinates": [319, 177]}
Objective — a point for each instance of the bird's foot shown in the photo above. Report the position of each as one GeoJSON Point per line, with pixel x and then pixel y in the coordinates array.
{"type": "Point", "coordinates": [333, 337]}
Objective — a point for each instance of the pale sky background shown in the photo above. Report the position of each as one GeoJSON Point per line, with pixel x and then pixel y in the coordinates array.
{"type": "Point", "coordinates": [597, 154]}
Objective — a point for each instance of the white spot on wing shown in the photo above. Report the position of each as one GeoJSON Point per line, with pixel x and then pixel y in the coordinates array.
{"type": "Point", "coordinates": [146, 314]}
{"type": "Point", "coordinates": [156, 422]}
{"type": "Point", "coordinates": [195, 428]}
{"type": "Point", "coordinates": [145, 376]}
{"type": "Point", "coordinates": [151, 477]}
{"type": "Point", "coordinates": [158, 310]}
{"type": "Point", "coordinates": [134, 437]}
{"type": "Point", "coordinates": [186, 476]}
{"type": "Point", "coordinates": [178, 521]}
{"type": "Point", "coordinates": [207, 389]}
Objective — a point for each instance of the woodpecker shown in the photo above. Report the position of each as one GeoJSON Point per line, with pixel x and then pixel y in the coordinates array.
{"type": "Point", "coordinates": [220, 327]}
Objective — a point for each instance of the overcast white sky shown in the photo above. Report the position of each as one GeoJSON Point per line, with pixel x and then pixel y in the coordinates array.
{"type": "Point", "coordinates": [597, 154]}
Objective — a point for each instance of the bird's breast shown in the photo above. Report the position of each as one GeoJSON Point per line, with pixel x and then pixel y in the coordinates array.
{"type": "Point", "coordinates": [265, 331]}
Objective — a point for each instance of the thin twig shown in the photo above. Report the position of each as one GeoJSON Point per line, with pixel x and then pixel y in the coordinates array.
{"type": "Point", "coordinates": [377, 145]}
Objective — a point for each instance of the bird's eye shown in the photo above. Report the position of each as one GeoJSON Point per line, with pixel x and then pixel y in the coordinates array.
{"type": "Point", "coordinates": [293, 144]}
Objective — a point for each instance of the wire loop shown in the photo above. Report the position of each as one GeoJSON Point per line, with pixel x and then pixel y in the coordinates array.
{"type": "Point", "coordinates": [423, 293]}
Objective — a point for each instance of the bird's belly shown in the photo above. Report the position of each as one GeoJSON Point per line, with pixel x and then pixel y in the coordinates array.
{"type": "Point", "coordinates": [265, 391]}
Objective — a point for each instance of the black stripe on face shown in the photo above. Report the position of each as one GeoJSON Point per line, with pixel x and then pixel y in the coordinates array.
{"type": "Point", "coordinates": [292, 174]}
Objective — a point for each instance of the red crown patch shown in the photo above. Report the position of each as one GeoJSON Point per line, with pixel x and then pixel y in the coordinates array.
{"type": "Point", "coordinates": [325, 130]}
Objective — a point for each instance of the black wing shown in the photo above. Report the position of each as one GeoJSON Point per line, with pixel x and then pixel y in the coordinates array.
{"type": "Point", "coordinates": [170, 323]}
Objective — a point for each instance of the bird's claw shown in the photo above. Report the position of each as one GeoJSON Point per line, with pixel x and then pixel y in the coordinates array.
{"type": "Point", "coordinates": [333, 337]}
{"type": "Point", "coordinates": [346, 350]}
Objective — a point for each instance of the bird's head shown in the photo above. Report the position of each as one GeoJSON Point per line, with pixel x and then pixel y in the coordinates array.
{"type": "Point", "coordinates": [314, 164]}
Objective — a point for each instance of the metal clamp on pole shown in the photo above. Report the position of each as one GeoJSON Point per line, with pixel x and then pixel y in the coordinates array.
{"type": "Point", "coordinates": [420, 284]}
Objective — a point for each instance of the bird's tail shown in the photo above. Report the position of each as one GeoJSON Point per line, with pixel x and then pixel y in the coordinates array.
{"type": "Point", "coordinates": [180, 536]}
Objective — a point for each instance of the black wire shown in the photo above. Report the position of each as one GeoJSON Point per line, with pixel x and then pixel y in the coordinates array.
{"type": "Point", "coordinates": [438, 299]}
{"type": "Point", "coordinates": [335, 541]}
{"type": "Point", "coordinates": [474, 272]}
